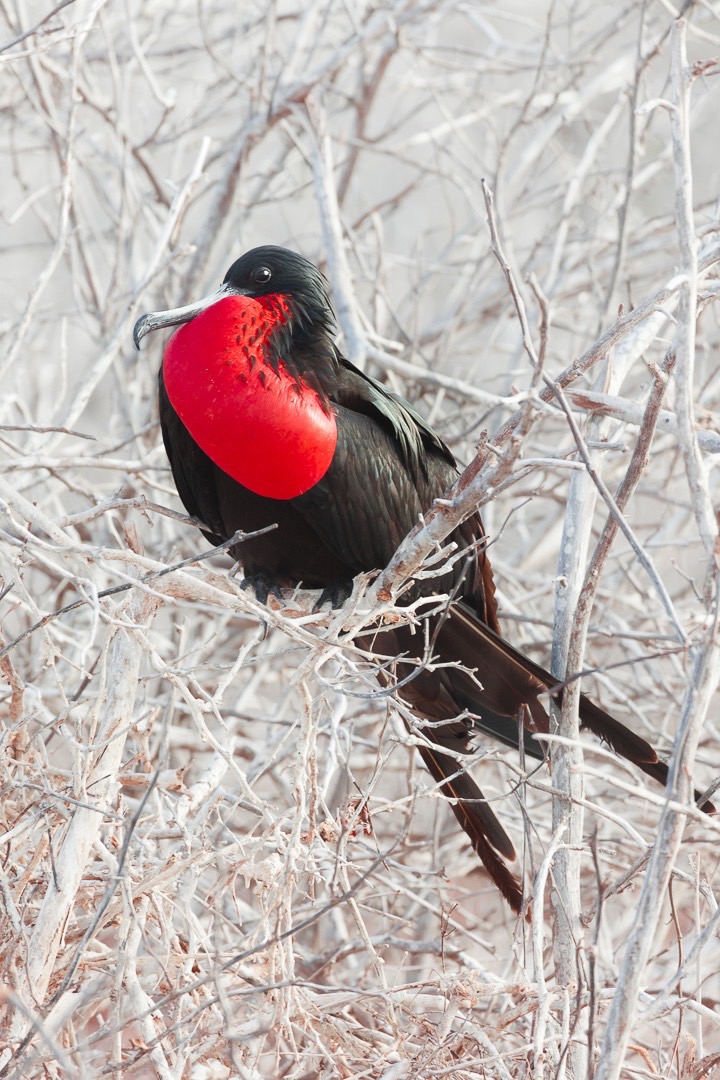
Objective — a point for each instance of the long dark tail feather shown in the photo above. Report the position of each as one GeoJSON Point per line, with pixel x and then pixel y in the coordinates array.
{"type": "Point", "coordinates": [507, 675]}
{"type": "Point", "coordinates": [630, 746]}
{"type": "Point", "coordinates": [504, 691]}
{"type": "Point", "coordinates": [486, 834]}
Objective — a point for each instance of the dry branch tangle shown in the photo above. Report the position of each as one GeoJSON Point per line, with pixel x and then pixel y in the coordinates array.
{"type": "Point", "coordinates": [98, 785]}
{"type": "Point", "coordinates": [112, 198]}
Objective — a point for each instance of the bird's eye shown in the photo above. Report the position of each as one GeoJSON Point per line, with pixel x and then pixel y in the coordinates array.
{"type": "Point", "coordinates": [262, 275]}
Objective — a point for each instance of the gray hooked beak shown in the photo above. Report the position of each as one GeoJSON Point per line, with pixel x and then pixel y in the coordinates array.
{"type": "Point", "coordinates": [155, 320]}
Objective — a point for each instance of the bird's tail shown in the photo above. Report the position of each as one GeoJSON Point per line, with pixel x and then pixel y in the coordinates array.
{"type": "Point", "coordinates": [511, 679]}
{"type": "Point", "coordinates": [472, 670]}
{"type": "Point", "coordinates": [486, 834]}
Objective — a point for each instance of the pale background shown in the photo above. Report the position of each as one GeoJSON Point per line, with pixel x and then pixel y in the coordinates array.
{"type": "Point", "coordinates": [145, 147]}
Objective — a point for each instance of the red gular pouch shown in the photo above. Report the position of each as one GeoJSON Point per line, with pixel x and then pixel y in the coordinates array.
{"type": "Point", "coordinates": [263, 426]}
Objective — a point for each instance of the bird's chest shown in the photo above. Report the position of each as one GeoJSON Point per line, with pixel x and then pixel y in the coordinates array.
{"type": "Point", "coordinates": [259, 423]}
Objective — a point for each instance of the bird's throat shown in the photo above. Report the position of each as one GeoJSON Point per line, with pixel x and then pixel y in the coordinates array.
{"type": "Point", "coordinates": [258, 422]}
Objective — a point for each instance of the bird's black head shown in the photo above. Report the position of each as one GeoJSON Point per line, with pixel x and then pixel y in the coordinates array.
{"type": "Point", "coordinates": [269, 270]}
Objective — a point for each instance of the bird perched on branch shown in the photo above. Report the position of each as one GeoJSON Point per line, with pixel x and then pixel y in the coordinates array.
{"type": "Point", "coordinates": [265, 422]}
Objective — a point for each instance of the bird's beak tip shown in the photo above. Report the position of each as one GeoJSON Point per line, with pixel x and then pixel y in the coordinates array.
{"type": "Point", "coordinates": [139, 331]}
{"type": "Point", "coordinates": [156, 320]}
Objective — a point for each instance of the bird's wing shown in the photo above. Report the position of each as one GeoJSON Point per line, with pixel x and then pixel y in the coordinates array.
{"type": "Point", "coordinates": [415, 438]}
{"type": "Point", "coordinates": [388, 467]}
{"type": "Point", "coordinates": [369, 499]}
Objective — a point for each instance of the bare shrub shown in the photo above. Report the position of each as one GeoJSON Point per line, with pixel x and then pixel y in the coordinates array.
{"type": "Point", "coordinates": [217, 857]}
